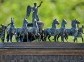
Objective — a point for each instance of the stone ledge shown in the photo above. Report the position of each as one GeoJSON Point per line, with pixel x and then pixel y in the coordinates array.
{"type": "Point", "coordinates": [40, 52]}
{"type": "Point", "coordinates": [42, 45]}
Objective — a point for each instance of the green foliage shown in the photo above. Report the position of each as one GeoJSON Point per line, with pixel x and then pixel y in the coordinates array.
{"type": "Point", "coordinates": [50, 9]}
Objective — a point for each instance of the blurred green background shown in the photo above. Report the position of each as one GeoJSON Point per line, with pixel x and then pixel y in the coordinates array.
{"type": "Point", "coordinates": [50, 9]}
